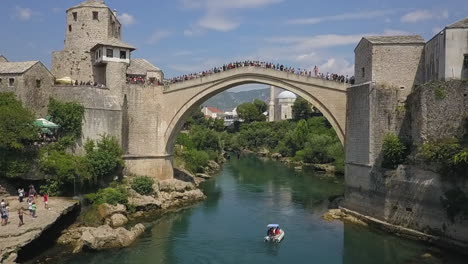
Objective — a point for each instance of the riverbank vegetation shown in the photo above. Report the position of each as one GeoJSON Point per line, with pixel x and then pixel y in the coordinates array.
{"type": "Point", "coordinates": [23, 150]}
{"type": "Point", "coordinates": [308, 138]}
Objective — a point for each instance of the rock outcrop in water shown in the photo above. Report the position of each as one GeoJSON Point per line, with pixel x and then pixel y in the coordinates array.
{"type": "Point", "coordinates": [100, 238]}
{"type": "Point", "coordinates": [168, 194]}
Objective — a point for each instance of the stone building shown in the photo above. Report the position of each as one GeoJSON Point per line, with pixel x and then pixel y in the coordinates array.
{"type": "Point", "coordinates": [94, 51]}
{"type": "Point", "coordinates": [280, 105]}
{"type": "Point", "coordinates": [30, 81]}
{"type": "Point", "coordinates": [446, 54]}
{"type": "Point", "coordinates": [141, 69]}
{"type": "Point", "coordinates": [393, 61]}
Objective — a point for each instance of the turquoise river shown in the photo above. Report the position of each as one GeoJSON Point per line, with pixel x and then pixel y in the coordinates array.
{"type": "Point", "coordinates": [243, 198]}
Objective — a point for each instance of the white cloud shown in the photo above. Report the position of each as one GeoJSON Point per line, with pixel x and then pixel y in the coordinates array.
{"type": "Point", "coordinates": [218, 23]}
{"type": "Point", "coordinates": [217, 14]}
{"type": "Point", "coordinates": [23, 14]}
{"type": "Point", "coordinates": [345, 16]}
{"type": "Point", "coordinates": [422, 15]}
{"type": "Point", "coordinates": [337, 65]}
{"type": "Point", "coordinates": [126, 19]}
{"type": "Point", "coordinates": [158, 35]}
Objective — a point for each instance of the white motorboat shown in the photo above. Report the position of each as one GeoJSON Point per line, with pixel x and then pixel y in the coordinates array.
{"type": "Point", "coordinates": [274, 233]}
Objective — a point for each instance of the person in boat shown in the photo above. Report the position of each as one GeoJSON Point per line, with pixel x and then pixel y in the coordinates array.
{"type": "Point", "coordinates": [277, 231]}
{"type": "Point", "coordinates": [271, 232]}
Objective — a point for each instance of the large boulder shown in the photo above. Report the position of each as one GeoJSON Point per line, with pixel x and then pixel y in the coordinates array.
{"type": "Point", "coordinates": [213, 165]}
{"type": "Point", "coordinates": [143, 202]}
{"type": "Point", "coordinates": [173, 185]}
{"type": "Point", "coordinates": [106, 210]}
{"type": "Point", "coordinates": [105, 237]}
{"type": "Point", "coordinates": [179, 199]}
{"type": "Point", "coordinates": [183, 175]}
{"type": "Point", "coordinates": [118, 220]}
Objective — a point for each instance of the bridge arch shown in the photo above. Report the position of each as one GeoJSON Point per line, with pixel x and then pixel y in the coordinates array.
{"type": "Point", "coordinates": [303, 89]}
{"type": "Point", "coordinates": [156, 116]}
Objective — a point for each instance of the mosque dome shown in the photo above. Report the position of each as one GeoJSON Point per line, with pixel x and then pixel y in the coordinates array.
{"type": "Point", "coordinates": [287, 95]}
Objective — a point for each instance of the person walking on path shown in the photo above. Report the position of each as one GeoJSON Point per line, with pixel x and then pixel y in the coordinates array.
{"type": "Point", "coordinates": [33, 210]}
{"type": "Point", "coordinates": [20, 194]}
{"type": "Point", "coordinates": [4, 214]}
{"type": "Point", "coordinates": [20, 216]}
{"type": "Point", "coordinates": [46, 201]}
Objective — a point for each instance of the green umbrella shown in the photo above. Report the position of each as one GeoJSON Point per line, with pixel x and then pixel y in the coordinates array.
{"type": "Point", "coordinates": [43, 123]}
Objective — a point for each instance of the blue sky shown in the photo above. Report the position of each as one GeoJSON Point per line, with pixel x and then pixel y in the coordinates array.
{"type": "Point", "coordinates": [183, 36]}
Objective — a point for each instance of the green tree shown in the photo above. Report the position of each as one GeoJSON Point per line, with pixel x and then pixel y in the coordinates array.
{"type": "Point", "coordinates": [104, 158]}
{"type": "Point", "coordinates": [196, 118]}
{"type": "Point", "coordinates": [251, 112]}
{"type": "Point", "coordinates": [301, 109]}
{"type": "Point", "coordinates": [16, 133]}
{"type": "Point", "coordinates": [68, 115]}
{"type": "Point", "coordinates": [16, 124]}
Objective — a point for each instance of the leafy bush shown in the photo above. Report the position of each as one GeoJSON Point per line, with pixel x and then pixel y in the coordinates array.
{"type": "Point", "coordinates": [68, 115]}
{"type": "Point", "coordinates": [196, 160]}
{"type": "Point", "coordinates": [104, 157]}
{"type": "Point", "coordinates": [110, 195]}
{"type": "Point", "coordinates": [394, 151]}
{"type": "Point", "coordinates": [450, 157]}
{"type": "Point", "coordinates": [64, 170]}
{"type": "Point", "coordinates": [52, 187]}
{"type": "Point", "coordinates": [143, 185]}
{"type": "Point", "coordinates": [16, 124]}
{"type": "Point", "coordinates": [17, 132]}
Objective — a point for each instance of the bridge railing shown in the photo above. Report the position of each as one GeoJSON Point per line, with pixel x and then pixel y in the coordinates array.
{"type": "Point", "coordinates": [172, 86]}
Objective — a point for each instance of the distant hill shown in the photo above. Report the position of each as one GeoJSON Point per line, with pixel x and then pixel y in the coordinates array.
{"type": "Point", "coordinates": [226, 101]}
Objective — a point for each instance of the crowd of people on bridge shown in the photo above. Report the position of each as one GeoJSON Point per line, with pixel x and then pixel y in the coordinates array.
{"type": "Point", "coordinates": [268, 65]}
{"type": "Point", "coordinates": [143, 80]}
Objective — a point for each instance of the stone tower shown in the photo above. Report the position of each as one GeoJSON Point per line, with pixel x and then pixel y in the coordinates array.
{"type": "Point", "coordinates": [92, 40]}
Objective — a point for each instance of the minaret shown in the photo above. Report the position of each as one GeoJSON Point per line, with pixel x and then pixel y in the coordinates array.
{"type": "Point", "coordinates": [271, 110]}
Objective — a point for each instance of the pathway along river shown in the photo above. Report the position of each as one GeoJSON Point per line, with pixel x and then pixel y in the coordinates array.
{"type": "Point", "coordinates": [229, 226]}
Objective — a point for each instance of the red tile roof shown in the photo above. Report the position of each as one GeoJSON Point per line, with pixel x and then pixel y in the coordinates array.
{"type": "Point", "coordinates": [214, 110]}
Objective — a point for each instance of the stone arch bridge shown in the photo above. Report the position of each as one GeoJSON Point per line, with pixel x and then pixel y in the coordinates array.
{"type": "Point", "coordinates": [152, 117]}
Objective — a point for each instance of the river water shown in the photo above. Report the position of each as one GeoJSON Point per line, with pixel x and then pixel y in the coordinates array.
{"type": "Point", "coordinates": [230, 225]}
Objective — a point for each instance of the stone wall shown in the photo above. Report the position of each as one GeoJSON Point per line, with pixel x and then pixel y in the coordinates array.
{"type": "Point", "coordinates": [398, 66]}
{"type": "Point", "coordinates": [363, 60]}
{"type": "Point", "coordinates": [409, 196]}
{"type": "Point", "coordinates": [437, 110]}
{"type": "Point", "coordinates": [34, 95]}
{"type": "Point", "coordinates": [434, 58]}
{"type": "Point", "coordinates": [457, 47]}
{"type": "Point", "coordinates": [103, 113]}
{"type": "Point", "coordinates": [73, 63]}
{"type": "Point", "coordinates": [357, 123]}
{"type": "Point", "coordinates": [86, 31]}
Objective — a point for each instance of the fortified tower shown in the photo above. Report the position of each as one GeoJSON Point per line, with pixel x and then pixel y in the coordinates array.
{"type": "Point", "coordinates": [93, 49]}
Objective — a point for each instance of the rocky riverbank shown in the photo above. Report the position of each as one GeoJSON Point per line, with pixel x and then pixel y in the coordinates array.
{"type": "Point", "coordinates": [111, 232]}
{"type": "Point", "coordinates": [22, 242]}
